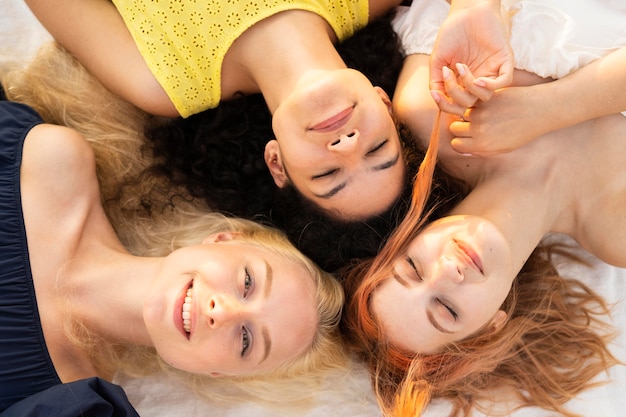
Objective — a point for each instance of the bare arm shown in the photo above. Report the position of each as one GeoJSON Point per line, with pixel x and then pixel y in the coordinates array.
{"type": "Point", "coordinates": [378, 8]}
{"type": "Point", "coordinates": [94, 32]}
{"type": "Point", "coordinates": [517, 115]}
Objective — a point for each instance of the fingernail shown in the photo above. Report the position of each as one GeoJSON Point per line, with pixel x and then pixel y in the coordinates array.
{"type": "Point", "coordinates": [480, 83]}
{"type": "Point", "coordinates": [435, 95]}
{"type": "Point", "coordinates": [461, 69]}
{"type": "Point", "coordinates": [447, 72]}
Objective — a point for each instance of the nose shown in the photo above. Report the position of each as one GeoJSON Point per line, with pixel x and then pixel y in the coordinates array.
{"type": "Point", "coordinates": [221, 310]}
{"type": "Point", "coordinates": [346, 143]}
{"type": "Point", "coordinates": [448, 272]}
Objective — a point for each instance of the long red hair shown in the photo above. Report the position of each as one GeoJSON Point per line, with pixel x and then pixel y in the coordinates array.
{"type": "Point", "coordinates": [547, 351]}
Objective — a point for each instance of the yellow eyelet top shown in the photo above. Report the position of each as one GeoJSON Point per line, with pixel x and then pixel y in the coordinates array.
{"type": "Point", "coordinates": [184, 41]}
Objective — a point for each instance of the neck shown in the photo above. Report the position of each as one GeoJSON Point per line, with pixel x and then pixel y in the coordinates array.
{"type": "Point", "coordinates": [524, 204]}
{"type": "Point", "coordinates": [105, 291]}
{"type": "Point", "coordinates": [308, 45]}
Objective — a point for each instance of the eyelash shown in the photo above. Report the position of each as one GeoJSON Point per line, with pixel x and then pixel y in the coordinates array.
{"type": "Point", "coordinates": [378, 147]}
{"type": "Point", "coordinates": [414, 268]}
{"type": "Point", "coordinates": [450, 309]}
{"type": "Point", "coordinates": [373, 151]}
{"type": "Point", "coordinates": [325, 174]}
{"type": "Point", "coordinates": [245, 341]}
{"type": "Point", "coordinates": [441, 302]}
{"type": "Point", "coordinates": [248, 285]}
{"type": "Point", "coordinates": [248, 282]}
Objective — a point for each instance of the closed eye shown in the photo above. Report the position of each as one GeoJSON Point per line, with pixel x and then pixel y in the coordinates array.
{"type": "Point", "coordinates": [369, 153]}
{"type": "Point", "coordinates": [450, 310]}
{"type": "Point", "coordinates": [325, 174]}
{"type": "Point", "coordinates": [377, 147]}
{"type": "Point", "coordinates": [412, 266]}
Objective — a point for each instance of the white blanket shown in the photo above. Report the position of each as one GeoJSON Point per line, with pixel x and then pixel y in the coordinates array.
{"type": "Point", "coordinates": [347, 394]}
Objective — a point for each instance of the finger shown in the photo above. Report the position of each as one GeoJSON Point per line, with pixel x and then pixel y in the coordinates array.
{"type": "Point", "coordinates": [462, 142]}
{"type": "Point", "coordinates": [462, 146]}
{"type": "Point", "coordinates": [455, 91]}
{"type": "Point", "coordinates": [460, 128]}
{"type": "Point", "coordinates": [504, 78]}
{"type": "Point", "coordinates": [472, 88]}
{"type": "Point", "coordinates": [445, 104]}
{"type": "Point", "coordinates": [435, 74]}
{"type": "Point", "coordinates": [468, 145]}
{"type": "Point", "coordinates": [467, 115]}
{"type": "Point", "coordinates": [479, 93]}
{"type": "Point", "coordinates": [462, 97]}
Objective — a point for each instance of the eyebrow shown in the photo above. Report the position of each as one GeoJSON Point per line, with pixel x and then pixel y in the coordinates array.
{"type": "Point", "coordinates": [267, 344]}
{"type": "Point", "coordinates": [333, 191]}
{"type": "Point", "coordinates": [429, 314]}
{"type": "Point", "coordinates": [268, 280]}
{"type": "Point", "coordinates": [267, 340]}
{"type": "Point", "coordinates": [436, 325]}
{"type": "Point", "coordinates": [385, 165]}
{"type": "Point", "coordinates": [400, 280]}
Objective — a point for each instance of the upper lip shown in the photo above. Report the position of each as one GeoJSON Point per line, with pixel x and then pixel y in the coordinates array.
{"type": "Point", "coordinates": [334, 122]}
{"type": "Point", "coordinates": [470, 255]}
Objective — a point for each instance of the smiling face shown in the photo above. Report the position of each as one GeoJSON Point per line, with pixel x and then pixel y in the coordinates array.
{"type": "Point", "coordinates": [449, 284]}
{"type": "Point", "coordinates": [230, 308]}
{"type": "Point", "coordinates": [337, 143]}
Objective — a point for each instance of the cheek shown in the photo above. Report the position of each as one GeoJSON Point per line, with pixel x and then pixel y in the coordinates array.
{"type": "Point", "coordinates": [193, 360]}
{"type": "Point", "coordinates": [486, 303]}
{"type": "Point", "coordinates": [389, 305]}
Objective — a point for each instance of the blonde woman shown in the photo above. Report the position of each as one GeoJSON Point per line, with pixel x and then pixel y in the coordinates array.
{"type": "Point", "coordinates": [214, 298]}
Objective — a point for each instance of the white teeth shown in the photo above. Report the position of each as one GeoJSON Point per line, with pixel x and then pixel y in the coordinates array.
{"type": "Point", "coordinates": [186, 311]}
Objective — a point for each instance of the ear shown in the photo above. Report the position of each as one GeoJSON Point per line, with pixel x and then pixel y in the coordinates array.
{"type": "Point", "coordinates": [220, 237]}
{"type": "Point", "coordinates": [497, 321]}
{"type": "Point", "coordinates": [275, 164]}
{"type": "Point", "coordinates": [385, 98]}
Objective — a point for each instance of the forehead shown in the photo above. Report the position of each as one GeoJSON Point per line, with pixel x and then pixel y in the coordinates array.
{"type": "Point", "coordinates": [290, 313]}
{"type": "Point", "coordinates": [395, 315]}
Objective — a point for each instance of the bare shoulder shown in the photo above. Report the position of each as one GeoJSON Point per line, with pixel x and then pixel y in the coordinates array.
{"type": "Point", "coordinates": [58, 160]}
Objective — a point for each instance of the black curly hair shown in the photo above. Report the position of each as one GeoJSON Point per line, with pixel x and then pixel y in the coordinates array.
{"type": "Point", "coordinates": [217, 155]}
{"type": "Point", "coordinates": [337, 244]}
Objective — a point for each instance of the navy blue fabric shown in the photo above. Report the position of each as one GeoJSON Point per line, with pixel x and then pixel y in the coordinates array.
{"type": "Point", "coordinates": [25, 365]}
{"type": "Point", "coordinates": [92, 397]}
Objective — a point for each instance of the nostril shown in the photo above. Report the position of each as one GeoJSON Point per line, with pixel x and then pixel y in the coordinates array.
{"type": "Point", "coordinates": [335, 142]}
{"type": "Point", "coordinates": [212, 304]}
{"type": "Point", "coordinates": [350, 134]}
{"type": "Point", "coordinates": [212, 322]}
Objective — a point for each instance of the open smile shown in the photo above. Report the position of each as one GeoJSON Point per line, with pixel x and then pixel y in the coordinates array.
{"type": "Point", "coordinates": [183, 312]}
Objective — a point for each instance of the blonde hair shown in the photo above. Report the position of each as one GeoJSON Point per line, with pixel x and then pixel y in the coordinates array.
{"type": "Point", "coordinates": [326, 351]}
{"type": "Point", "coordinates": [548, 350]}
{"type": "Point", "coordinates": [63, 92]}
